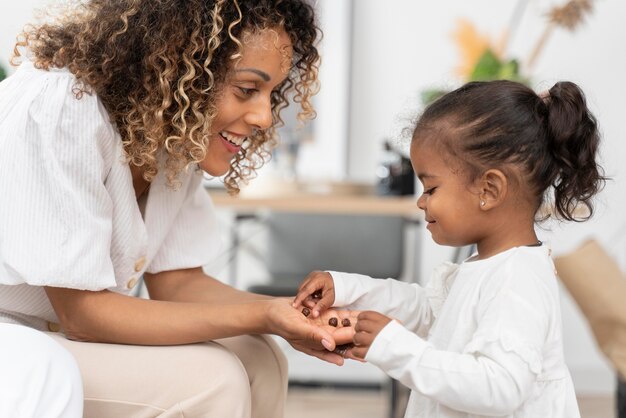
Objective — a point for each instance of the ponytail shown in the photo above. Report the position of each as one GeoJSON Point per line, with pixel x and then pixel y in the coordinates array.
{"type": "Point", "coordinates": [573, 141]}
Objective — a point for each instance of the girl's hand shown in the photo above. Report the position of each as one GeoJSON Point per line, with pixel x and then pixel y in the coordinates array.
{"type": "Point", "coordinates": [317, 292]}
{"type": "Point", "coordinates": [368, 325]}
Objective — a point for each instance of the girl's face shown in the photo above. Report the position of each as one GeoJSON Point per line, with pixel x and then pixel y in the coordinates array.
{"type": "Point", "coordinates": [245, 103]}
{"type": "Point", "coordinates": [451, 208]}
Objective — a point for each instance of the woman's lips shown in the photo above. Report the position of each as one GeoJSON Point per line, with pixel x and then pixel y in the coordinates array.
{"type": "Point", "coordinates": [232, 148]}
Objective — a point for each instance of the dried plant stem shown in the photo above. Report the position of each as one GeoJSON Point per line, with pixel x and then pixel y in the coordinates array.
{"type": "Point", "coordinates": [568, 16]}
{"type": "Point", "coordinates": [514, 21]}
{"type": "Point", "coordinates": [540, 45]}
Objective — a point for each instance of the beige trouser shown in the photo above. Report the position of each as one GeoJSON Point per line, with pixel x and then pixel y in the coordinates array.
{"type": "Point", "coordinates": [237, 377]}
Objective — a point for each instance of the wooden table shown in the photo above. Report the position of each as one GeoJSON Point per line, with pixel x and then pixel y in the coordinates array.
{"type": "Point", "coordinates": [248, 206]}
{"type": "Point", "coordinates": [321, 203]}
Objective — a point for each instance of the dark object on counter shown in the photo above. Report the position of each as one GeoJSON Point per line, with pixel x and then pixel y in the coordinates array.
{"type": "Point", "coordinates": [621, 398]}
{"type": "Point", "coordinates": [395, 174]}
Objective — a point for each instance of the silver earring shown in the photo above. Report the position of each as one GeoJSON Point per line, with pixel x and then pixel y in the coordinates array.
{"type": "Point", "coordinates": [482, 203]}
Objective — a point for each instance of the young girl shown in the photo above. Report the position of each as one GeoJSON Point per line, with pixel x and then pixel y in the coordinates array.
{"type": "Point", "coordinates": [483, 338]}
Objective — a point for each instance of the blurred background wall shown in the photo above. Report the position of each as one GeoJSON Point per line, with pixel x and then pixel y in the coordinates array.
{"type": "Point", "coordinates": [379, 55]}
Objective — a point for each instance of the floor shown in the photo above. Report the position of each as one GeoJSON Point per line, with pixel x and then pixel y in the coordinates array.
{"type": "Point", "coordinates": [370, 403]}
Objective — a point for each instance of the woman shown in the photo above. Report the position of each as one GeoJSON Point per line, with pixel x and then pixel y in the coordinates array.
{"type": "Point", "coordinates": [115, 111]}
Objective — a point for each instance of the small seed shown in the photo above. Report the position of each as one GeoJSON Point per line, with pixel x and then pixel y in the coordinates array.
{"type": "Point", "coordinates": [333, 322]}
{"type": "Point", "coordinates": [341, 349]}
{"type": "Point", "coordinates": [345, 322]}
{"type": "Point", "coordinates": [317, 294]}
{"type": "Point", "coordinates": [306, 311]}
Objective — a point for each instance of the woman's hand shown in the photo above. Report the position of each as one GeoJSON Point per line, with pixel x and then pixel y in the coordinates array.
{"type": "Point", "coordinates": [312, 336]}
{"type": "Point", "coordinates": [317, 292]}
{"type": "Point", "coordinates": [368, 325]}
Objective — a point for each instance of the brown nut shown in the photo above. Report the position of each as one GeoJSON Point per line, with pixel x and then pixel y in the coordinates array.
{"type": "Point", "coordinates": [345, 322]}
{"type": "Point", "coordinates": [306, 311]}
{"type": "Point", "coordinates": [342, 349]}
{"type": "Point", "coordinates": [333, 322]}
{"type": "Point", "coordinates": [317, 294]}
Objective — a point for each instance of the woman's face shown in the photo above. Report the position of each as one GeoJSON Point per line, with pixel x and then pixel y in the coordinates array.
{"type": "Point", "coordinates": [245, 105]}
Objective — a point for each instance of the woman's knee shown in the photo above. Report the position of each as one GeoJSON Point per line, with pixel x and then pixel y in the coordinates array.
{"type": "Point", "coordinates": [266, 366]}
{"type": "Point", "coordinates": [261, 357]}
{"type": "Point", "coordinates": [275, 358]}
{"type": "Point", "coordinates": [219, 385]}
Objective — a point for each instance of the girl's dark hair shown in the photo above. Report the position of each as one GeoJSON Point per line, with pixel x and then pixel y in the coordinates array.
{"type": "Point", "coordinates": [552, 140]}
{"type": "Point", "coordinates": [158, 66]}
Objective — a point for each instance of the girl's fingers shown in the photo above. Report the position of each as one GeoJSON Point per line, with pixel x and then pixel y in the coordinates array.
{"type": "Point", "coordinates": [362, 339]}
{"type": "Point", "coordinates": [364, 325]}
{"type": "Point", "coordinates": [308, 288]}
{"type": "Point", "coordinates": [309, 303]}
{"type": "Point", "coordinates": [299, 299]}
{"type": "Point", "coordinates": [350, 355]}
{"type": "Point", "coordinates": [359, 352]}
{"type": "Point", "coordinates": [321, 305]}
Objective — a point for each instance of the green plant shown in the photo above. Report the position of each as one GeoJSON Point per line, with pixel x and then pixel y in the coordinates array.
{"type": "Point", "coordinates": [484, 60]}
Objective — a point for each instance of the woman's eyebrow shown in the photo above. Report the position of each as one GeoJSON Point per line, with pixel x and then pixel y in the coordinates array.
{"type": "Point", "coordinates": [265, 76]}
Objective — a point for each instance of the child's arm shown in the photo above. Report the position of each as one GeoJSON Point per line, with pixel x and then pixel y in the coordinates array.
{"type": "Point", "coordinates": [406, 302]}
{"type": "Point", "coordinates": [492, 382]}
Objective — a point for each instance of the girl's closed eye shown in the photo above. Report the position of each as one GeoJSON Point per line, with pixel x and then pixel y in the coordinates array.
{"type": "Point", "coordinates": [429, 190]}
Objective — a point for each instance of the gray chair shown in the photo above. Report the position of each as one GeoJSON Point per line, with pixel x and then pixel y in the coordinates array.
{"type": "Point", "coordinates": [299, 243]}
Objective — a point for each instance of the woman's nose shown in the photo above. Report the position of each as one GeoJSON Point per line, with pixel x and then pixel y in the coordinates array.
{"type": "Point", "coordinates": [260, 115]}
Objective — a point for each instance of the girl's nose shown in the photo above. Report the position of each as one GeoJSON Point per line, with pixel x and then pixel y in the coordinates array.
{"type": "Point", "coordinates": [421, 202]}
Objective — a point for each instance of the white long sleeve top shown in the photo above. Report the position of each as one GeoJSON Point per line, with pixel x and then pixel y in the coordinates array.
{"type": "Point", "coordinates": [69, 216]}
{"type": "Point", "coordinates": [482, 339]}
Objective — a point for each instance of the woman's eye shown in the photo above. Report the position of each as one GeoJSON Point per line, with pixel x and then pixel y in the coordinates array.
{"type": "Point", "coordinates": [245, 91]}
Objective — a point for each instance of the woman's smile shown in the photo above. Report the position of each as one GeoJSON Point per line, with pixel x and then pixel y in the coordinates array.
{"type": "Point", "coordinates": [232, 141]}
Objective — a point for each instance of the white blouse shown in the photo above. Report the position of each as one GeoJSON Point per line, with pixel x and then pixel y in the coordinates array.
{"type": "Point", "coordinates": [482, 339]}
{"type": "Point", "coordinates": [69, 216]}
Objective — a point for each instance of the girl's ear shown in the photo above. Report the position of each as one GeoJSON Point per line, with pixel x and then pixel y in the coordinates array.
{"type": "Point", "coordinates": [493, 187]}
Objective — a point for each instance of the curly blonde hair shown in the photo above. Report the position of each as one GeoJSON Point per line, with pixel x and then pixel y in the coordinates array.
{"type": "Point", "coordinates": [158, 66]}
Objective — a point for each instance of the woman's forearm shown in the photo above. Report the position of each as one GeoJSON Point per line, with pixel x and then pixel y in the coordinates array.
{"type": "Point", "coordinates": [186, 306]}
{"type": "Point", "coordinates": [110, 317]}
{"type": "Point", "coordinates": [192, 285]}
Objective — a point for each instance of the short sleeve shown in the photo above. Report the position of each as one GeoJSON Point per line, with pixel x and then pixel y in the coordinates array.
{"type": "Point", "coordinates": [193, 240]}
{"type": "Point", "coordinates": [56, 216]}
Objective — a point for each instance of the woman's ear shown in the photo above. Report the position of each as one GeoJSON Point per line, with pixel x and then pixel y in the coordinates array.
{"type": "Point", "coordinates": [493, 188]}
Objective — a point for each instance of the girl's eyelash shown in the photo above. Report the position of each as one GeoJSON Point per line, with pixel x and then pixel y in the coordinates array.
{"type": "Point", "coordinates": [429, 190]}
